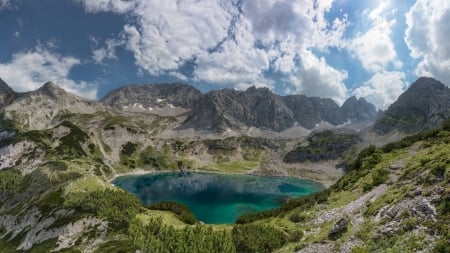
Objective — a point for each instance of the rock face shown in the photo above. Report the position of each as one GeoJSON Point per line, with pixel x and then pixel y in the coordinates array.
{"type": "Point", "coordinates": [37, 109]}
{"type": "Point", "coordinates": [220, 110]}
{"type": "Point", "coordinates": [260, 108]}
{"type": "Point", "coordinates": [426, 104]}
{"type": "Point", "coordinates": [153, 96]}
{"type": "Point", "coordinates": [310, 111]}
{"type": "Point", "coordinates": [7, 95]}
{"type": "Point", "coordinates": [358, 109]}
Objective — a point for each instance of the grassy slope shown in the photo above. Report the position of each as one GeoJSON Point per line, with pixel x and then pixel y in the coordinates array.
{"type": "Point", "coordinates": [415, 174]}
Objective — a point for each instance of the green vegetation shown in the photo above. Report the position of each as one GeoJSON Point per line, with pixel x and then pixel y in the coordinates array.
{"type": "Point", "coordinates": [157, 237]}
{"type": "Point", "coordinates": [10, 181]}
{"type": "Point", "coordinates": [324, 145]}
{"type": "Point", "coordinates": [116, 206]}
{"type": "Point", "coordinates": [258, 238]}
{"type": "Point", "coordinates": [70, 144]}
{"type": "Point", "coordinates": [182, 211]}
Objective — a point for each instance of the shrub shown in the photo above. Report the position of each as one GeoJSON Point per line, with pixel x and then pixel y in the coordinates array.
{"type": "Point", "coordinates": [257, 238]}
{"type": "Point", "coordinates": [297, 217]}
{"type": "Point", "coordinates": [380, 176]}
{"type": "Point", "coordinates": [296, 235]}
{"type": "Point", "coordinates": [182, 211]}
{"type": "Point", "coordinates": [10, 181]}
{"type": "Point", "coordinates": [113, 205]}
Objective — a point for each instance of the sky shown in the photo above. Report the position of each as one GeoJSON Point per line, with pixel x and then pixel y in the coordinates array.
{"type": "Point", "coordinates": [327, 48]}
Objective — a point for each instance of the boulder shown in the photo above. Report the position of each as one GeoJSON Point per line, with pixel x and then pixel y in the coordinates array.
{"type": "Point", "coordinates": [338, 228]}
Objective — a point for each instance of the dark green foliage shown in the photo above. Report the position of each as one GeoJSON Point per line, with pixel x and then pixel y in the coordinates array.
{"type": "Point", "coordinates": [442, 246]}
{"type": "Point", "coordinates": [297, 217]}
{"type": "Point", "coordinates": [128, 148]}
{"type": "Point", "coordinates": [301, 203]}
{"type": "Point", "coordinates": [91, 147]}
{"type": "Point", "coordinates": [116, 246]}
{"type": "Point", "coordinates": [10, 181]}
{"type": "Point", "coordinates": [182, 211]}
{"type": "Point", "coordinates": [116, 206]}
{"type": "Point", "coordinates": [379, 176]}
{"type": "Point", "coordinates": [444, 204]}
{"type": "Point", "coordinates": [51, 201]}
{"type": "Point", "coordinates": [366, 160]}
{"type": "Point", "coordinates": [70, 144]}
{"type": "Point", "coordinates": [258, 238]}
{"type": "Point", "coordinates": [296, 235]}
{"type": "Point", "coordinates": [6, 124]}
{"type": "Point", "coordinates": [56, 165]}
{"type": "Point", "coordinates": [156, 237]}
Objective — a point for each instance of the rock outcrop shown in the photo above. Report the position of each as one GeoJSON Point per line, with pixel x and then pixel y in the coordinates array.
{"type": "Point", "coordinates": [7, 95]}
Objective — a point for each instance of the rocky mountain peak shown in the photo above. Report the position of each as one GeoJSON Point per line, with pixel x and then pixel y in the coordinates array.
{"type": "Point", "coordinates": [52, 89]}
{"type": "Point", "coordinates": [4, 87]}
{"type": "Point", "coordinates": [426, 104]}
{"type": "Point", "coordinates": [426, 83]}
{"type": "Point", "coordinates": [358, 109]}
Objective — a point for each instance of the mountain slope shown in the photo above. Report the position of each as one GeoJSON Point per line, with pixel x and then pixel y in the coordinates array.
{"type": "Point", "coordinates": [7, 95]}
{"type": "Point", "coordinates": [152, 97]}
{"type": "Point", "coordinates": [392, 199]}
{"type": "Point", "coordinates": [426, 104]}
{"type": "Point", "coordinates": [38, 109]}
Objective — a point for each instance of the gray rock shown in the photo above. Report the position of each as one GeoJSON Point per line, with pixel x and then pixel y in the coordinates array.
{"type": "Point", "coordinates": [153, 95]}
{"type": "Point", "coordinates": [338, 228]}
{"type": "Point", "coordinates": [7, 95]}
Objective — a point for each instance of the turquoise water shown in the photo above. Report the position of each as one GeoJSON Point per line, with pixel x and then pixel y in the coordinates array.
{"type": "Point", "coordinates": [216, 198]}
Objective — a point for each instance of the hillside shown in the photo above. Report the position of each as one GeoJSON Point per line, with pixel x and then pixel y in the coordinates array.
{"type": "Point", "coordinates": [56, 166]}
{"type": "Point", "coordinates": [395, 198]}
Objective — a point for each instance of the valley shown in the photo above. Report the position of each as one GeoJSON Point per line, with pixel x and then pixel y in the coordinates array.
{"type": "Point", "coordinates": [59, 154]}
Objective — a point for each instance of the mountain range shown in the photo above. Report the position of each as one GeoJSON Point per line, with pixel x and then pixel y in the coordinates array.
{"type": "Point", "coordinates": [214, 111]}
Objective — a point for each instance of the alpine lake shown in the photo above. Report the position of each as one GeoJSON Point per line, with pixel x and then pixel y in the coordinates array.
{"type": "Point", "coordinates": [216, 198]}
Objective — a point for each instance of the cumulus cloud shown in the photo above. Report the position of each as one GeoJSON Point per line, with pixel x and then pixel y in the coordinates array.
{"type": "Point", "coordinates": [107, 52]}
{"type": "Point", "coordinates": [316, 78]}
{"type": "Point", "coordinates": [374, 48]}
{"type": "Point", "coordinates": [28, 70]}
{"type": "Point", "coordinates": [228, 42]}
{"type": "Point", "coordinates": [428, 26]}
{"type": "Point", "coordinates": [383, 88]}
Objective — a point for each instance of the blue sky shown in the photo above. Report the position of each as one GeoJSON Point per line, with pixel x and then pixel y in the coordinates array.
{"type": "Point", "coordinates": [336, 49]}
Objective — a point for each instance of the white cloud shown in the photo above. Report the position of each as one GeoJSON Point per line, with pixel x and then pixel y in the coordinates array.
{"type": "Point", "coordinates": [117, 6]}
{"type": "Point", "coordinates": [108, 52]}
{"type": "Point", "coordinates": [374, 48]}
{"type": "Point", "coordinates": [28, 70]}
{"type": "Point", "coordinates": [428, 26]}
{"type": "Point", "coordinates": [8, 4]}
{"type": "Point", "coordinates": [383, 88]}
{"type": "Point", "coordinates": [316, 78]}
{"type": "Point", "coordinates": [230, 42]}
